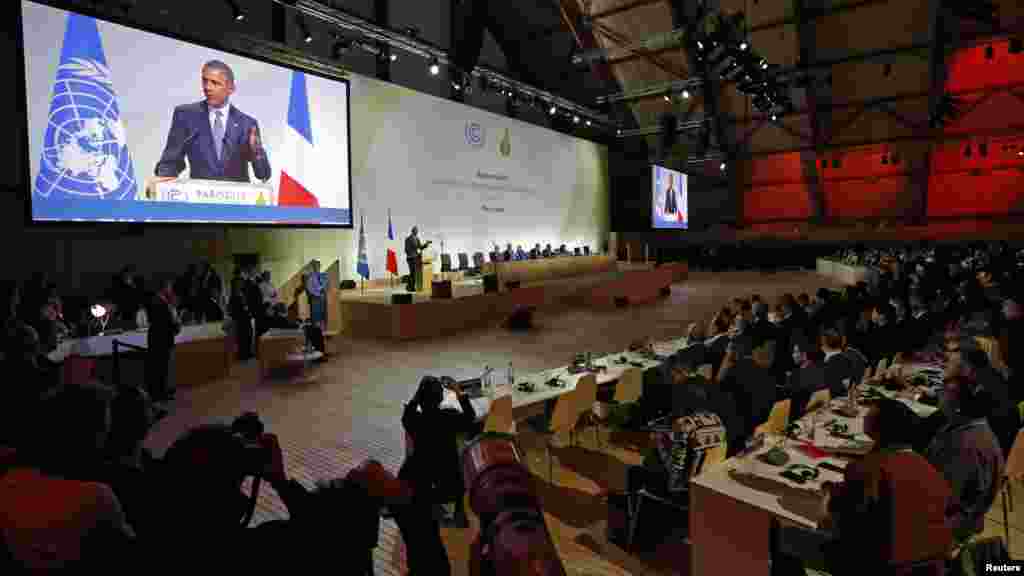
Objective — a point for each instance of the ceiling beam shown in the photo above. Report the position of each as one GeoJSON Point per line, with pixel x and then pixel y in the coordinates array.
{"type": "Point", "coordinates": [585, 40]}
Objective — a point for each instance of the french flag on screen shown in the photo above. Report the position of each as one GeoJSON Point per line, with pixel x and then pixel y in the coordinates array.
{"type": "Point", "coordinates": [298, 156]}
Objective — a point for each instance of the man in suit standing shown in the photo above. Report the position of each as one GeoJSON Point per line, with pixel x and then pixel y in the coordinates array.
{"type": "Point", "coordinates": [414, 257]}
{"type": "Point", "coordinates": [164, 325]}
{"type": "Point", "coordinates": [218, 139]}
{"type": "Point", "coordinates": [671, 204]}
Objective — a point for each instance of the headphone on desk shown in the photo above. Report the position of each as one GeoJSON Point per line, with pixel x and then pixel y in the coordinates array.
{"type": "Point", "coordinates": [800, 473]}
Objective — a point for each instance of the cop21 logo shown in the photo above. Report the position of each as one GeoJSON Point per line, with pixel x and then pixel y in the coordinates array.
{"type": "Point", "coordinates": [475, 135]}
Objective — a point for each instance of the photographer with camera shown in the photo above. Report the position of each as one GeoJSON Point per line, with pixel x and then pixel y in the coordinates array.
{"type": "Point", "coordinates": [433, 466]}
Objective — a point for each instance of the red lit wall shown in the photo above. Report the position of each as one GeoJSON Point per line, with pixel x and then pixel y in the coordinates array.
{"type": "Point", "coordinates": [862, 186]}
{"type": "Point", "coordinates": [777, 191]}
{"type": "Point", "coordinates": [994, 183]}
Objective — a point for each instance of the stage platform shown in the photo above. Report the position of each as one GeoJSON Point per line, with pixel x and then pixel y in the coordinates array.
{"type": "Point", "coordinates": [370, 313]}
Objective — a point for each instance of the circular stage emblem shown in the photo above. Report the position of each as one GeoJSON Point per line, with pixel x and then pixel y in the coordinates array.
{"type": "Point", "coordinates": [475, 135]}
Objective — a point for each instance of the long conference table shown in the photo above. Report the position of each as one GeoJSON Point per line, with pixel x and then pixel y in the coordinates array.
{"type": "Point", "coordinates": [734, 504]}
{"type": "Point", "coordinates": [610, 368]}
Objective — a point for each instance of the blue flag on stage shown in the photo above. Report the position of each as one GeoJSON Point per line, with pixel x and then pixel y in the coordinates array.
{"type": "Point", "coordinates": [85, 150]}
{"type": "Point", "coordinates": [363, 267]}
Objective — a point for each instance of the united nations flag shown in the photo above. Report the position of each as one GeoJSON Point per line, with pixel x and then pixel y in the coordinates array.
{"type": "Point", "coordinates": [85, 149]}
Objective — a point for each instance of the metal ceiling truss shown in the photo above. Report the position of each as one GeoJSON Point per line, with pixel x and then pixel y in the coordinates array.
{"type": "Point", "coordinates": [371, 31]}
{"type": "Point", "coordinates": [622, 42]}
{"type": "Point", "coordinates": [622, 8]}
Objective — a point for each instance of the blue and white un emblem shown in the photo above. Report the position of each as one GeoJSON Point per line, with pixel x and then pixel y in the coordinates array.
{"type": "Point", "coordinates": [85, 150]}
{"type": "Point", "coordinates": [475, 135]}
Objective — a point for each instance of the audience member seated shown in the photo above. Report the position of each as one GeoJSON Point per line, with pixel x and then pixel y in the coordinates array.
{"type": "Point", "coordinates": [716, 344]}
{"type": "Point", "coordinates": [808, 378]}
{"type": "Point", "coordinates": [433, 469]}
{"type": "Point", "coordinates": [887, 514]}
{"type": "Point", "coordinates": [520, 253]}
{"type": "Point", "coordinates": [535, 252]}
{"type": "Point", "coordinates": [547, 251]}
{"type": "Point", "coordinates": [840, 370]}
{"type": "Point", "coordinates": [52, 521]}
{"type": "Point", "coordinates": [883, 336]}
{"type": "Point", "coordinates": [751, 385]}
{"type": "Point", "coordinates": [967, 453]}
{"type": "Point", "coordinates": [1004, 418]}
{"type": "Point", "coordinates": [506, 256]}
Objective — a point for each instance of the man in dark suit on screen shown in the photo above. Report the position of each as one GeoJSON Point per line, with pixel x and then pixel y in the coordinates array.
{"type": "Point", "coordinates": [218, 139]}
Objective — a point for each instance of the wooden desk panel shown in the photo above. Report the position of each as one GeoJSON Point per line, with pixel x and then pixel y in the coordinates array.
{"type": "Point", "coordinates": [526, 271]}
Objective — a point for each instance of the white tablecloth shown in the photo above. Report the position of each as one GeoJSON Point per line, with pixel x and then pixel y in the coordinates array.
{"type": "Point", "coordinates": [103, 345]}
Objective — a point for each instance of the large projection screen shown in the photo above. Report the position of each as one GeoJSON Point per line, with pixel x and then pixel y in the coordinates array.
{"type": "Point", "coordinates": [125, 125]}
{"type": "Point", "coordinates": [669, 193]}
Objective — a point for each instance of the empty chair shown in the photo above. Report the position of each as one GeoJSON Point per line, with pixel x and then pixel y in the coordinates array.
{"type": "Point", "coordinates": [446, 262]}
{"type": "Point", "coordinates": [628, 389]}
{"type": "Point", "coordinates": [499, 418]}
{"type": "Point", "coordinates": [576, 251]}
{"type": "Point", "coordinates": [883, 364]}
{"type": "Point", "coordinates": [586, 250]}
{"type": "Point", "coordinates": [478, 261]}
{"type": "Point", "coordinates": [777, 420]}
{"type": "Point", "coordinates": [819, 399]}
{"type": "Point", "coordinates": [586, 396]}
{"type": "Point", "coordinates": [463, 262]}
{"type": "Point", "coordinates": [563, 419]}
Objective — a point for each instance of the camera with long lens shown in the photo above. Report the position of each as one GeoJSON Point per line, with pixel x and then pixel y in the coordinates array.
{"type": "Point", "coordinates": [513, 539]}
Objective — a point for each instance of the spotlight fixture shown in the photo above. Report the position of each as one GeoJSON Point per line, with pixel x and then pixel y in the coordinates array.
{"type": "Point", "coordinates": [1020, 153]}
{"type": "Point", "coordinates": [686, 94]}
{"type": "Point", "coordinates": [576, 119]}
{"type": "Point", "coordinates": [722, 166]}
{"type": "Point", "coordinates": [588, 122]}
{"type": "Point", "coordinates": [743, 46]}
{"type": "Point", "coordinates": [764, 64]}
{"type": "Point", "coordinates": [618, 132]}
{"type": "Point", "coordinates": [435, 68]}
{"type": "Point", "coordinates": [552, 110]}
{"type": "Point", "coordinates": [667, 98]}
{"type": "Point", "coordinates": [237, 14]}
{"type": "Point", "coordinates": [774, 117]}
{"type": "Point", "coordinates": [306, 36]}
{"type": "Point", "coordinates": [393, 57]}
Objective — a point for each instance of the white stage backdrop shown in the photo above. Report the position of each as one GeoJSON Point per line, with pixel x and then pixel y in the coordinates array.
{"type": "Point", "coordinates": [467, 177]}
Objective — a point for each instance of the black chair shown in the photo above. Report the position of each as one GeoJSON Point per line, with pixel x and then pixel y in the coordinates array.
{"type": "Point", "coordinates": [463, 262]}
{"type": "Point", "coordinates": [576, 251]}
{"type": "Point", "coordinates": [586, 250]}
{"type": "Point", "coordinates": [478, 261]}
{"type": "Point", "coordinates": [446, 262]}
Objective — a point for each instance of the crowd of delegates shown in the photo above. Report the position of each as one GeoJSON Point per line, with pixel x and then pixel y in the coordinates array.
{"type": "Point", "coordinates": [941, 474]}
{"type": "Point", "coordinates": [509, 254]}
{"type": "Point", "coordinates": [79, 491]}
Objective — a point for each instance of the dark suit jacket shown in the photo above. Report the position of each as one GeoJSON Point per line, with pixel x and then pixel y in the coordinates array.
{"type": "Point", "coordinates": [192, 137]}
{"type": "Point", "coordinates": [671, 204]}
{"type": "Point", "coordinates": [838, 368]}
{"type": "Point", "coordinates": [753, 391]}
{"type": "Point", "coordinates": [163, 325]}
{"type": "Point", "coordinates": [412, 247]}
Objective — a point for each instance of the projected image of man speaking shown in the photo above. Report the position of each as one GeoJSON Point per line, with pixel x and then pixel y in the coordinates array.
{"type": "Point", "coordinates": [218, 139]}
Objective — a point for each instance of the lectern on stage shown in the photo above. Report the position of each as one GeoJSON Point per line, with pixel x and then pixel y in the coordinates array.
{"type": "Point", "coordinates": [426, 276]}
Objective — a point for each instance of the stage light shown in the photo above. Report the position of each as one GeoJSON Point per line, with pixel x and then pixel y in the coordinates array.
{"type": "Point", "coordinates": [743, 46]}
{"type": "Point", "coordinates": [618, 132]}
{"type": "Point", "coordinates": [764, 64]}
{"type": "Point", "coordinates": [774, 117]}
{"type": "Point", "coordinates": [700, 45]}
{"type": "Point", "coordinates": [722, 166]}
{"type": "Point", "coordinates": [237, 13]}
{"type": "Point", "coordinates": [308, 39]}
{"type": "Point", "coordinates": [588, 122]}
{"type": "Point", "coordinates": [435, 68]}
{"type": "Point", "coordinates": [552, 111]}
{"type": "Point", "coordinates": [1021, 153]}
{"type": "Point", "coordinates": [393, 57]}
{"type": "Point", "coordinates": [306, 36]}
{"type": "Point", "coordinates": [667, 98]}
{"type": "Point", "coordinates": [576, 119]}
{"type": "Point", "coordinates": [686, 94]}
